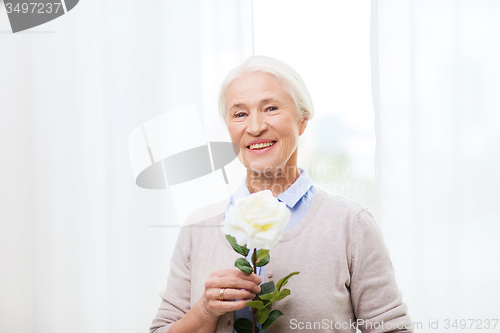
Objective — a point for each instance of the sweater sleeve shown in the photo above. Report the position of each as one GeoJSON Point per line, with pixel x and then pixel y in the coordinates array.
{"type": "Point", "coordinates": [176, 298]}
{"type": "Point", "coordinates": [376, 299]}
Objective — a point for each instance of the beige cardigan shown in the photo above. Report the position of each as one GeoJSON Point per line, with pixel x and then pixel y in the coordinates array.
{"type": "Point", "coordinates": [345, 271]}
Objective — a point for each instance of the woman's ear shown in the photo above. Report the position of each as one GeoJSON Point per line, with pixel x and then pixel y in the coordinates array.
{"type": "Point", "coordinates": [303, 125]}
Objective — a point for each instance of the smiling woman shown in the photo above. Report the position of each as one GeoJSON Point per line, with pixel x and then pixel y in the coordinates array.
{"type": "Point", "coordinates": [262, 120]}
{"type": "Point", "coordinates": [266, 106]}
{"type": "Point", "coordinates": [346, 275]}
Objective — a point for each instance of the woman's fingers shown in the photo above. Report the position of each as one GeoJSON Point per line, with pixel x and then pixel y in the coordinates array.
{"type": "Point", "coordinates": [236, 283]}
{"type": "Point", "coordinates": [214, 306]}
{"type": "Point", "coordinates": [237, 273]}
{"type": "Point", "coordinates": [218, 308]}
{"type": "Point", "coordinates": [232, 306]}
{"type": "Point", "coordinates": [236, 286]}
{"type": "Point", "coordinates": [231, 294]}
{"type": "Point", "coordinates": [233, 281]}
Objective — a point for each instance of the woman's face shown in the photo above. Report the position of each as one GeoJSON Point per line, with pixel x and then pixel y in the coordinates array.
{"type": "Point", "coordinates": [263, 121]}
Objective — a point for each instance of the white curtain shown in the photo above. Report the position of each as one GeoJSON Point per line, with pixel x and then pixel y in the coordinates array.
{"type": "Point", "coordinates": [77, 253]}
{"type": "Point", "coordinates": [436, 80]}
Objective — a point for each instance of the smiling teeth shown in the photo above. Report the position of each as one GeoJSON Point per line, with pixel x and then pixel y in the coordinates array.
{"type": "Point", "coordinates": [262, 145]}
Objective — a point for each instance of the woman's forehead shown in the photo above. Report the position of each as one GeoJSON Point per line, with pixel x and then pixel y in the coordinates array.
{"type": "Point", "coordinates": [256, 85]}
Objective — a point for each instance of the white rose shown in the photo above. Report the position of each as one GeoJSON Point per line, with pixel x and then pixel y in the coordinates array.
{"type": "Point", "coordinates": [258, 220]}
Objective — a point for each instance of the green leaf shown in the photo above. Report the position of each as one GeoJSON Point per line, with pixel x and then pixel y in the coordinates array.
{"type": "Point", "coordinates": [262, 315]}
{"type": "Point", "coordinates": [240, 249]}
{"type": "Point", "coordinates": [269, 296]}
{"type": "Point", "coordinates": [275, 314]}
{"type": "Point", "coordinates": [255, 304]}
{"type": "Point", "coordinates": [282, 294]}
{"type": "Point", "coordinates": [266, 288]}
{"type": "Point", "coordinates": [243, 265]}
{"type": "Point", "coordinates": [284, 280]}
{"type": "Point", "coordinates": [261, 254]}
{"type": "Point", "coordinates": [264, 261]}
{"type": "Point", "coordinates": [243, 325]}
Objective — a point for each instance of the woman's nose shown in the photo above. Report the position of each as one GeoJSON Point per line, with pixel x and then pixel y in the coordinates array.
{"type": "Point", "coordinates": [256, 125]}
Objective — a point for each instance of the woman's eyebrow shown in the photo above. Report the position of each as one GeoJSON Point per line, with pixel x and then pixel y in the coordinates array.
{"type": "Point", "coordinates": [270, 100]}
{"type": "Point", "coordinates": [238, 106]}
{"type": "Point", "coordinates": [261, 102]}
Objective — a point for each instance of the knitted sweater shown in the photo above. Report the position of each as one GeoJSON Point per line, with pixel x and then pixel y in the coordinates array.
{"type": "Point", "coordinates": [346, 276]}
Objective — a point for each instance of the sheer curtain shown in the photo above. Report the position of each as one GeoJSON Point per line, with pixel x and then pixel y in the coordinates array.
{"type": "Point", "coordinates": [76, 250]}
{"type": "Point", "coordinates": [436, 79]}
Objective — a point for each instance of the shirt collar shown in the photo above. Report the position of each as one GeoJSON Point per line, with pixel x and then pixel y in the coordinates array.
{"type": "Point", "coordinates": [290, 197]}
{"type": "Point", "coordinates": [298, 189]}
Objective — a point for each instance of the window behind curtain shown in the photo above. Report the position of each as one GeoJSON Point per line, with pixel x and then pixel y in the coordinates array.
{"type": "Point", "coordinates": [327, 42]}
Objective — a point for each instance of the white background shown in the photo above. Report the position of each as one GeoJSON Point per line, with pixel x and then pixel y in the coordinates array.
{"type": "Point", "coordinates": [406, 96]}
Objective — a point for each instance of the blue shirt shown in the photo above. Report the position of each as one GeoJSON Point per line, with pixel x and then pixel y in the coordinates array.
{"type": "Point", "coordinates": [298, 199]}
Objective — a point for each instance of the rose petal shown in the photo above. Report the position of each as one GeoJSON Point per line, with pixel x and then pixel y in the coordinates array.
{"type": "Point", "coordinates": [258, 220]}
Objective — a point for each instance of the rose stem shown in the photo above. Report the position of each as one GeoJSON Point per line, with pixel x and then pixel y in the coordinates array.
{"type": "Point", "coordinates": [254, 310]}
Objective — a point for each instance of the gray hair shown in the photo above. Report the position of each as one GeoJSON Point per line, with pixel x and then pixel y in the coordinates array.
{"type": "Point", "coordinates": [294, 84]}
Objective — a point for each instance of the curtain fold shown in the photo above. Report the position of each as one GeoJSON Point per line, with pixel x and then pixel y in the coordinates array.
{"type": "Point", "coordinates": [436, 79]}
{"type": "Point", "coordinates": [87, 260]}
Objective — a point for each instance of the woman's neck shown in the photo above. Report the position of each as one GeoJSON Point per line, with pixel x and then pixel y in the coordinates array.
{"type": "Point", "coordinates": [277, 181]}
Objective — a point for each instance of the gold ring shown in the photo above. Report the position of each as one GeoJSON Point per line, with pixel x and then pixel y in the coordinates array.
{"type": "Point", "coordinates": [221, 295]}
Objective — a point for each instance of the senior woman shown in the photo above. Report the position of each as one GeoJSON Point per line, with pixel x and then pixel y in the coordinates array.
{"type": "Point", "coordinates": [346, 277]}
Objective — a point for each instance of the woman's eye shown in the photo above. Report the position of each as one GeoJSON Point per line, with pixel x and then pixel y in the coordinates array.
{"type": "Point", "coordinates": [271, 108]}
{"type": "Point", "coordinates": [239, 115]}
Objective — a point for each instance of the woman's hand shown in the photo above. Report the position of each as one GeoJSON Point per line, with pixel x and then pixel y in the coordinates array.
{"type": "Point", "coordinates": [204, 315]}
{"type": "Point", "coordinates": [235, 285]}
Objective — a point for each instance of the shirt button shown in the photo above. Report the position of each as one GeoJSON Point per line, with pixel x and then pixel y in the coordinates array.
{"type": "Point", "coordinates": [269, 275]}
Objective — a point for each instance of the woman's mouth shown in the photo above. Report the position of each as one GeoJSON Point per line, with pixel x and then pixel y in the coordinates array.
{"type": "Point", "coordinates": [260, 146]}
